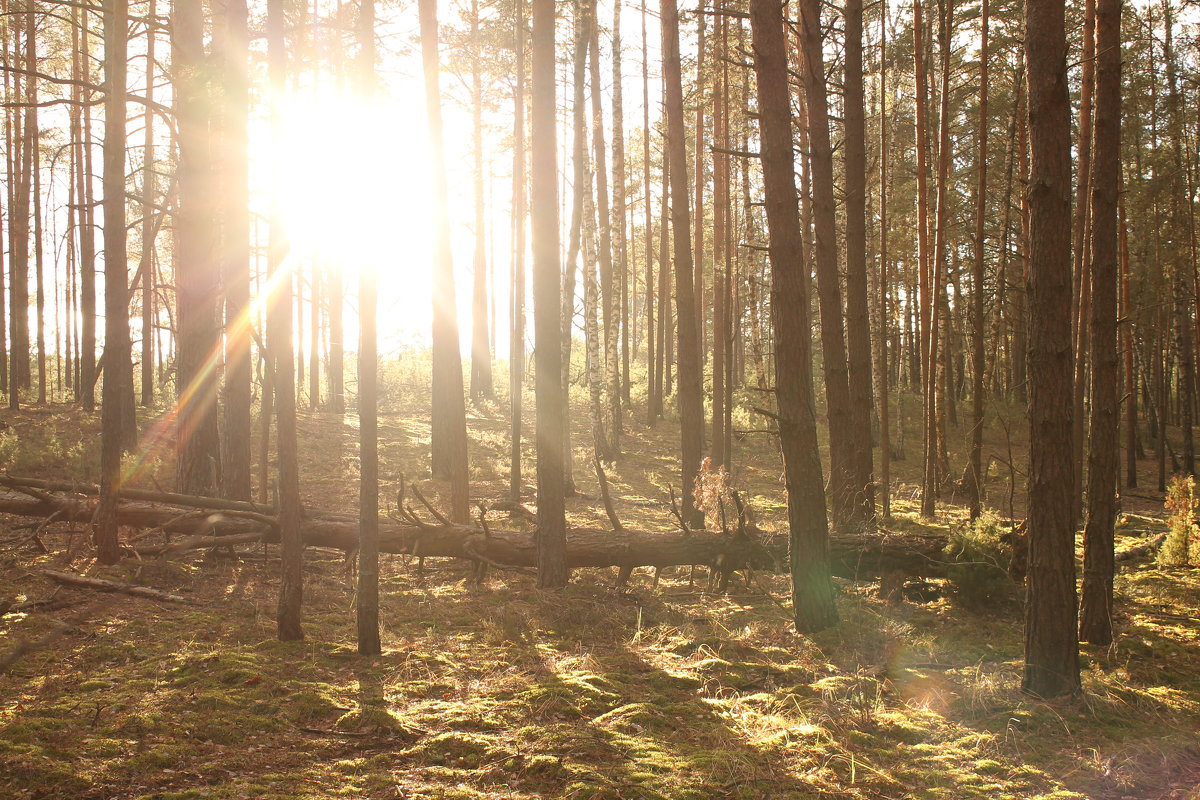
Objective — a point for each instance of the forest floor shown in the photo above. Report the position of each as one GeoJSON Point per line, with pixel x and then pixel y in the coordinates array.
{"type": "Point", "coordinates": [505, 691]}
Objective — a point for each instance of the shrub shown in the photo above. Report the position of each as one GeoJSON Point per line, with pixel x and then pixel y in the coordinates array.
{"type": "Point", "coordinates": [980, 558]}
{"type": "Point", "coordinates": [1182, 545]}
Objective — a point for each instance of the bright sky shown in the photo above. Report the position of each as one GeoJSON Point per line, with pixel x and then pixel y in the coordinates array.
{"type": "Point", "coordinates": [356, 186]}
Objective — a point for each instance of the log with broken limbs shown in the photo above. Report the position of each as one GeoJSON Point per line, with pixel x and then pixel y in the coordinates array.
{"type": "Point", "coordinates": [852, 555]}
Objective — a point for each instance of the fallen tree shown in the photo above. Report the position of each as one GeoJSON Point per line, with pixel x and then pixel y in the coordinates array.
{"type": "Point", "coordinates": [852, 555]}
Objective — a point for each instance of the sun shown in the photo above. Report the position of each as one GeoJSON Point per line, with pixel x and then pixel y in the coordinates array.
{"type": "Point", "coordinates": [351, 181]}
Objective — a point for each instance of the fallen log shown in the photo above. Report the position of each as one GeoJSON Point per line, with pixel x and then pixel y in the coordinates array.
{"type": "Point", "coordinates": [855, 556]}
{"type": "Point", "coordinates": [102, 585]}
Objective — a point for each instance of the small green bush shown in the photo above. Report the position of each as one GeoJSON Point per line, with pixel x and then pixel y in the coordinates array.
{"type": "Point", "coordinates": [979, 559]}
{"type": "Point", "coordinates": [1181, 548]}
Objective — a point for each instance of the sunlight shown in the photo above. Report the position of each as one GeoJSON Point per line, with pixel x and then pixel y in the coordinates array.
{"type": "Point", "coordinates": [352, 193]}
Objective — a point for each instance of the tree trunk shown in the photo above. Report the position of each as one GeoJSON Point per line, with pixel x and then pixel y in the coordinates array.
{"type": "Point", "coordinates": [551, 557]}
{"type": "Point", "coordinates": [481, 352]}
{"type": "Point", "coordinates": [620, 230]}
{"type": "Point", "coordinates": [610, 303]}
{"type": "Point", "coordinates": [148, 228]}
{"type": "Point", "coordinates": [235, 224]}
{"type": "Point", "coordinates": [196, 260]}
{"type": "Point", "coordinates": [282, 356]}
{"type": "Point", "coordinates": [858, 323]}
{"type": "Point", "coordinates": [516, 358]}
{"type": "Point", "coordinates": [1095, 613]}
{"type": "Point", "coordinates": [1051, 635]}
{"type": "Point", "coordinates": [691, 404]}
{"type": "Point", "coordinates": [812, 589]}
{"type": "Point", "coordinates": [367, 601]}
{"type": "Point", "coordinates": [885, 442]}
{"type": "Point", "coordinates": [652, 387]}
{"type": "Point", "coordinates": [849, 510]}
{"type": "Point", "coordinates": [978, 357]}
{"type": "Point", "coordinates": [116, 298]}
{"type": "Point", "coordinates": [449, 417]}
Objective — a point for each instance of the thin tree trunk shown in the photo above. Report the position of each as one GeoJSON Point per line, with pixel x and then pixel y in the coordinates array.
{"type": "Point", "coordinates": [691, 404]}
{"type": "Point", "coordinates": [1080, 241]}
{"type": "Point", "coordinates": [975, 461]}
{"type": "Point", "coordinates": [652, 386]}
{"type": "Point", "coordinates": [282, 355]}
{"type": "Point", "coordinates": [235, 224]}
{"type": "Point", "coordinates": [1131, 403]}
{"type": "Point", "coordinates": [1095, 613]}
{"type": "Point", "coordinates": [1051, 634]}
{"type": "Point", "coordinates": [449, 428]}
{"type": "Point", "coordinates": [844, 441]}
{"type": "Point", "coordinates": [610, 303]}
{"type": "Point", "coordinates": [367, 605]}
{"type": "Point", "coordinates": [481, 351]}
{"type": "Point", "coordinates": [148, 228]}
{"type": "Point", "coordinates": [516, 358]}
{"type": "Point", "coordinates": [116, 296]}
{"type": "Point", "coordinates": [858, 324]}
{"type": "Point", "coordinates": [620, 229]}
{"type": "Point", "coordinates": [885, 444]}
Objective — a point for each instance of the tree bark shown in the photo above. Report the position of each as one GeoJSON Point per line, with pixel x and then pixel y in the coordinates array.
{"type": "Point", "coordinates": [235, 225]}
{"type": "Point", "coordinates": [550, 548]}
{"type": "Point", "coordinates": [1051, 634]}
{"type": "Point", "coordinates": [1095, 613]}
{"type": "Point", "coordinates": [516, 358]}
{"type": "Point", "coordinates": [848, 507]}
{"type": "Point", "coordinates": [812, 589]}
{"type": "Point", "coordinates": [449, 416]}
{"type": "Point", "coordinates": [196, 262]}
{"type": "Point", "coordinates": [858, 323]}
{"type": "Point", "coordinates": [691, 404]}
{"type": "Point", "coordinates": [282, 356]}
{"type": "Point", "coordinates": [116, 299]}
{"type": "Point", "coordinates": [367, 601]}
{"type": "Point", "coordinates": [481, 351]}
{"type": "Point", "coordinates": [978, 357]}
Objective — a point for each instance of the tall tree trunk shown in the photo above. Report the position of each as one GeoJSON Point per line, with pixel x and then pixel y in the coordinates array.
{"type": "Point", "coordinates": [721, 263]}
{"type": "Point", "coordinates": [368, 395]}
{"type": "Point", "coordinates": [924, 280]}
{"type": "Point", "coordinates": [620, 231]}
{"type": "Point", "coordinates": [1095, 613]}
{"type": "Point", "coordinates": [196, 260]}
{"type": "Point", "coordinates": [610, 303]}
{"type": "Point", "coordinates": [1131, 402]}
{"type": "Point", "coordinates": [87, 230]}
{"type": "Point", "coordinates": [858, 323]}
{"type": "Point", "coordinates": [579, 165]}
{"type": "Point", "coordinates": [449, 428]}
{"type": "Point", "coordinates": [516, 358]}
{"type": "Point", "coordinates": [116, 296]}
{"type": "Point", "coordinates": [1080, 241]}
{"type": "Point", "coordinates": [812, 589]}
{"type": "Point", "coordinates": [481, 351]}
{"type": "Point", "coordinates": [691, 404]}
{"type": "Point", "coordinates": [235, 257]}
{"type": "Point", "coordinates": [1051, 635]}
{"type": "Point", "coordinates": [551, 512]}
{"type": "Point", "coordinates": [148, 228]}
{"type": "Point", "coordinates": [885, 443]}
{"type": "Point", "coordinates": [844, 440]}
{"type": "Point", "coordinates": [975, 461]}
{"type": "Point", "coordinates": [282, 355]}
{"type": "Point", "coordinates": [652, 387]}
{"type": "Point", "coordinates": [937, 365]}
